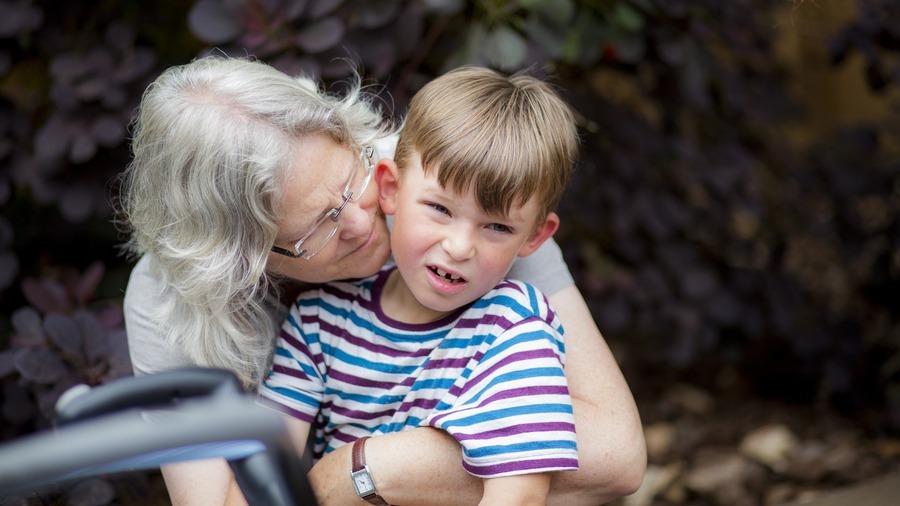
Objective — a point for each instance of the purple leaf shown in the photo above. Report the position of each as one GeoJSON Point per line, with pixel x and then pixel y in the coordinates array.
{"type": "Point", "coordinates": [93, 89]}
{"type": "Point", "coordinates": [320, 8]}
{"type": "Point", "coordinates": [67, 67]}
{"type": "Point", "coordinates": [9, 269]}
{"type": "Point", "coordinates": [211, 23]}
{"type": "Point", "coordinates": [52, 139]}
{"type": "Point", "coordinates": [39, 365]}
{"type": "Point", "coordinates": [65, 333]}
{"type": "Point", "coordinates": [377, 13]}
{"type": "Point", "coordinates": [76, 203]}
{"type": "Point", "coordinates": [7, 362]}
{"type": "Point", "coordinates": [109, 130]}
{"type": "Point", "coordinates": [136, 64]}
{"type": "Point", "coordinates": [96, 340]}
{"type": "Point", "coordinates": [321, 35]}
{"type": "Point", "coordinates": [83, 148]}
{"type": "Point", "coordinates": [46, 295]}
{"type": "Point", "coordinates": [84, 287]}
{"type": "Point", "coordinates": [29, 329]}
{"type": "Point", "coordinates": [120, 36]}
{"type": "Point", "coordinates": [100, 61]}
{"type": "Point", "coordinates": [19, 17]}
{"type": "Point", "coordinates": [110, 316]}
{"type": "Point", "coordinates": [119, 359]}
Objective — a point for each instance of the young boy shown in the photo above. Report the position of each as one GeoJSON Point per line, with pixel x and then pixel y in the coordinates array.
{"type": "Point", "coordinates": [443, 340]}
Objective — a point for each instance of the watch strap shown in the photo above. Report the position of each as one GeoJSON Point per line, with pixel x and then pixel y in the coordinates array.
{"type": "Point", "coordinates": [358, 463]}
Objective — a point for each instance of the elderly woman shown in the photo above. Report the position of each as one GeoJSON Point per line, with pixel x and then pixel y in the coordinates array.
{"type": "Point", "coordinates": [235, 163]}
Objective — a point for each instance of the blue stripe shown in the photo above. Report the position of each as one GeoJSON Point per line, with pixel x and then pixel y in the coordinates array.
{"type": "Point", "coordinates": [305, 368]}
{"type": "Point", "coordinates": [295, 395]}
{"type": "Point", "coordinates": [531, 409]}
{"type": "Point", "coordinates": [530, 374]}
{"type": "Point", "coordinates": [526, 446]}
{"type": "Point", "coordinates": [363, 323]}
{"type": "Point", "coordinates": [525, 337]}
{"type": "Point", "coordinates": [383, 367]}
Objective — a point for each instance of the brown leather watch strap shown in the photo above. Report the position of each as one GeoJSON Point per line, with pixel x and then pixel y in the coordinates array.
{"type": "Point", "coordinates": [359, 453]}
{"type": "Point", "coordinates": [358, 463]}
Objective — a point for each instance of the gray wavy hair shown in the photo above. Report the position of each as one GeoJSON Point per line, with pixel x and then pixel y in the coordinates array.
{"type": "Point", "coordinates": [212, 141]}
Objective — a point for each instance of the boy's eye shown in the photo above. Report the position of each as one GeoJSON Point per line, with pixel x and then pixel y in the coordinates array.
{"type": "Point", "coordinates": [499, 227]}
{"type": "Point", "coordinates": [439, 208]}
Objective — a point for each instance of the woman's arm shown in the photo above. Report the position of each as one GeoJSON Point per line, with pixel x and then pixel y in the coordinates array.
{"type": "Point", "coordinates": [612, 456]}
{"type": "Point", "coordinates": [424, 465]}
{"type": "Point", "coordinates": [522, 490]}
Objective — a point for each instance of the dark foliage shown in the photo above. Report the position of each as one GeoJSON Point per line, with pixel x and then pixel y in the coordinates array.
{"type": "Point", "coordinates": [703, 237]}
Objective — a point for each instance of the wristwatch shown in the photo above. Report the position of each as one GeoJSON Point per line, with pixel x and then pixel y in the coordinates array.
{"type": "Point", "coordinates": [359, 472]}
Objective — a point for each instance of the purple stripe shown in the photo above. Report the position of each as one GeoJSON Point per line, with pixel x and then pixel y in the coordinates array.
{"type": "Point", "coordinates": [522, 428]}
{"type": "Point", "coordinates": [538, 465]}
{"type": "Point", "coordinates": [513, 393]}
{"type": "Point", "coordinates": [489, 319]}
{"type": "Point", "coordinates": [300, 346]}
{"type": "Point", "coordinates": [364, 343]}
{"type": "Point", "coordinates": [523, 392]}
{"type": "Point", "coordinates": [515, 357]}
{"type": "Point", "coordinates": [418, 403]}
{"type": "Point", "coordinates": [296, 373]}
{"type": "Point", "coordinates": [360, 415]}
{"type": "Point", "coordinates": [366, 382]}
{"type": "Point", "coordinates": [448, 363]}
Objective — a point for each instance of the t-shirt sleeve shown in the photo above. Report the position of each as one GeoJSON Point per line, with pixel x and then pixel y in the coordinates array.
{"type": "Point", "coordinates": [545, 268]}
{"type": "Point", "coordinates": [514, 414]}
{"type": "Point", "coordinates": [146, 335]}
{"type": "Point", "coordinates": [295, 385]}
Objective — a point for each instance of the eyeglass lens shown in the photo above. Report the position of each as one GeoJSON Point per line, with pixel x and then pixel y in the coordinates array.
{"type": "Point", "coordinates": [328, 225]}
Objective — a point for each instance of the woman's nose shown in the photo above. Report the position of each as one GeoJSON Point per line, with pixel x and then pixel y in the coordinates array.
{"type": "Point", "coordinates": [356, 221]}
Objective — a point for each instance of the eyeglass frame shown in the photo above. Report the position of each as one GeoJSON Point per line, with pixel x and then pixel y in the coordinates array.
{"type": "Point", "coordinates": [366, 155]}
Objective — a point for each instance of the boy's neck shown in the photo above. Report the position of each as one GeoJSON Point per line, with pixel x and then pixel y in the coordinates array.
{"type": "Point", "coordinates": [399, 303]}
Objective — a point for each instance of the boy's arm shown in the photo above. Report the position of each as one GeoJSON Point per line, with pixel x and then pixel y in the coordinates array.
{"type": "Point", "coordinates": [521, 490]}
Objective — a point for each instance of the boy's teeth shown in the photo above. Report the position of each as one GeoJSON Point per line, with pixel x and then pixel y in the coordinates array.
{"type": "Point", "coordinates": [446, 275]}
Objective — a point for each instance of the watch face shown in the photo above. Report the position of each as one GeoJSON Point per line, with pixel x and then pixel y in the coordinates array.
{"type": "Point", "coordinates": [363, 482]}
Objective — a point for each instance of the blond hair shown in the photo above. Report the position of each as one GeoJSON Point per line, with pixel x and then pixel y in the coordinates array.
{"type": "Point", "coordinates": [507, 138]}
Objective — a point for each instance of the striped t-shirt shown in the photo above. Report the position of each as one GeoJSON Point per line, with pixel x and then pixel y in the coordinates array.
{"type": "Point", "coordinates": [490, 374]}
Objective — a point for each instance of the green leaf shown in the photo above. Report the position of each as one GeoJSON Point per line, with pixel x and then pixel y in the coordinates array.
{"type": "Point", "coordinates": [628, 18]}
{"type": "Point", "coordinates": [558, 12]}
{"type": "Point", "coordinates": [504, 48]}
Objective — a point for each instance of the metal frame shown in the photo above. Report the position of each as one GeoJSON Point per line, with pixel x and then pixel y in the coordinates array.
{"type": "Point", "coordinates": [197, 413]}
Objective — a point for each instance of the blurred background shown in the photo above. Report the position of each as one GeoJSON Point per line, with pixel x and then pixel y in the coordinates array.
{"type": "Point", "coordinates": [734, 223]}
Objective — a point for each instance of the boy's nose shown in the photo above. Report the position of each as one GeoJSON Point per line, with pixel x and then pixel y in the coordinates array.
{"type": "Point", "coordinates": [459, 245]}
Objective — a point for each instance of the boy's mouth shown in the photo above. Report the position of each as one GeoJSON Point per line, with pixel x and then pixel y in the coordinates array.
{"type": "Point", "coordinates": [452, 278]}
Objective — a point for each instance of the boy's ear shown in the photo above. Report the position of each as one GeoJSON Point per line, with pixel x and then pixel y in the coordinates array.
{"type": "Point", "coordinates": [542, 232]}
{"type": "Point", "coordinates": [387, 176]}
